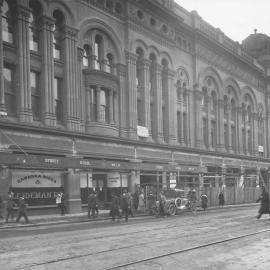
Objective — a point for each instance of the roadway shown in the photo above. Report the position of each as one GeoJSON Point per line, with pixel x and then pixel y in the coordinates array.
{"type": "Point", "coordinates": [229, 238]}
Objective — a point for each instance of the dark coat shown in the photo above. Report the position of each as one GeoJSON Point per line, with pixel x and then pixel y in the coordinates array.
{"type": "Point", "coordinates": [115, 206]}
{"type": "Point", "coordinates": [204, 201]}
{"type": "Point", "coordinates": [124, 201]}
{"type": "Point", "coordinates": [10, 204]}
{"type": "Point", "coordinates": [264, 199]}
{"type": "Point", "coordinates": [92, 201]}
{"type": "Point", "coordinates": [221, 199]}
{"type": "Point", "coordinates": [22, 207]}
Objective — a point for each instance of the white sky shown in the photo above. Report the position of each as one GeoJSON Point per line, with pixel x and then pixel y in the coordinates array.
{"type": "Point", "coordinates": [236, 18]}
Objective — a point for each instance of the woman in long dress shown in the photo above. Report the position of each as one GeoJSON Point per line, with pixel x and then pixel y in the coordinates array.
{"type": "Point", "coordinates": [141, 206]}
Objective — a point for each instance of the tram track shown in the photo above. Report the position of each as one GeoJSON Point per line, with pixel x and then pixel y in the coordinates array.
{"type": "Point", "coordinates": [150, 258]}
{"type": "Point", "coordinates": [184, 250]}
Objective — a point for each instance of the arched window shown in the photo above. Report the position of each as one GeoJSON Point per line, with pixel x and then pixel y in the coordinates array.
{"type": "Point", "coordinates": [33, 25]}
{"type": "Point", "coordinates": [86, 55]}
{"type": "Point", "coordinates": [7, 25]}
{"type": "Point", "coordinates": [204, 97]}
{"type": "Point", "coordinates": [104, 106]}
{"type": "Point", "coordinates": [59, 22]}
{"type": "Point", "coordinates": [98, 51]}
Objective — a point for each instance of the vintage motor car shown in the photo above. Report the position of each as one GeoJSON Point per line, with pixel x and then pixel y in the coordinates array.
{"type": "Point", "coordinates": [176, 200]}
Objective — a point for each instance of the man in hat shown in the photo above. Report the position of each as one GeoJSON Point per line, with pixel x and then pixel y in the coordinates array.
{"type": "Point", "coordinates": [22, 208]}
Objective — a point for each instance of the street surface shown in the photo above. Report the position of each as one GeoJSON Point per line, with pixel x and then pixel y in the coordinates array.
{"type": "Point", "coordinates": [216, 239]}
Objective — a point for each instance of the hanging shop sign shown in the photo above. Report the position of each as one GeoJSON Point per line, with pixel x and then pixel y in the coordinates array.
{"type": "Point", "coordinates": [32, 179]}
{"type": "Point", "coordinates": [116, 180]}
{"type": "Point", "coordinates": [142, 131]}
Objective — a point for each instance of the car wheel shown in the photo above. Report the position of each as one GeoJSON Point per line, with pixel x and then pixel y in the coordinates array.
{"type": "Point", "coordinates": [172, 209]}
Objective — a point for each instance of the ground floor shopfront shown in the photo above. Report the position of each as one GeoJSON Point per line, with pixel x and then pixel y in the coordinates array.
{"type": "Point", "coordinates": [39, 179]}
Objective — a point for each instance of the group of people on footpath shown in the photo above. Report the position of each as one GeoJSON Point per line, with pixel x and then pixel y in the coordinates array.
{"type": "Point", "coordinates": [10, 208]}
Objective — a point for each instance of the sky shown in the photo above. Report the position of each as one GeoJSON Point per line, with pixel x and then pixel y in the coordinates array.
{"type": "Point", "coordinates": [237, 19]}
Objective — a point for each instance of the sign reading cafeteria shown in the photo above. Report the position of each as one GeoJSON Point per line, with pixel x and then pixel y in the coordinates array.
{"type": "Point", "coordinates": [38, 179]}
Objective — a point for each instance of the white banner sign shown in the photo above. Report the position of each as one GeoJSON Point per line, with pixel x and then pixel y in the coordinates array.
{"type": "Point", "coordinates": [86, 180]}
{"type": "Point", "coordinates": [142, 131]}
{"type": "Point", "coordinates": [30, 179]}
{"type": "Point", "coordinates": [114, 180]}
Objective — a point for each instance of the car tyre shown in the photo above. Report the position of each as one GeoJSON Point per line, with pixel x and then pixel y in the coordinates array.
{"type": "Point", "coordinates": [172, 209]}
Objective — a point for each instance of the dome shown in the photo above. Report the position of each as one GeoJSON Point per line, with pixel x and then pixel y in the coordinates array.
{"type": "Point", "coordinates": [257, 44]}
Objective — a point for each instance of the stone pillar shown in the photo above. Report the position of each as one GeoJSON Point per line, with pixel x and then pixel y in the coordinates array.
{"type": "Point", "coordinates": [239, 131]}
{"type": "Point", "coordinates": [145, 71]}
{"type": "Point", "coordinates": [172, 103]}
{"type": "Point", "coordinates": [191, 119]}
{"type": "Point", "coordinates": [209, 123]}
{"type": "Point", "coordinates": [23, 58]}
{"type": "Point", "coordinates": [181, 96]}
{"type": "Point", "coordinates": [81, 92]}
{"type": "Point", "coordinates": [70, 78]}
{"type": "Point", "coordinates": [2, 90]}
{"type": "Point", "coordinates": [132, 95]}
{"type": "Point", "coordinates": [111, 116]}
{"type": "Point", "coordinates": [198, 120]}
{"type": "Point", "coordinates": [157, 88]}
{"type": "Point", "coordinates": [72, 191]}
{"type": "Point", "coordinates": [89, 109]}
{"type": "Point", "coordinates": [121, 70]}
{"type": "Point", "coordinates": [98, 103]}
{"type": "Point", "coordinates": [220, 128]}
{"type": "Point", "coordinates": [254, 129]}
{"type": "Point", "coordinates": [47, 76]}
{"type": "Point", "coordinates": [133, 181]}
{"type": "Point", "coordinates": [229, 130]}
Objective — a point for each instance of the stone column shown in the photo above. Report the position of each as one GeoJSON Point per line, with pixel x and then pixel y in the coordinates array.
{"type": "Point", "coordinates": [111, 118]}
{"type": "Point", "coordinates": [89, 109]}
{"type": "Point", "coordinates": [209, 123]}
{"type": "Point", "coordinates": [98, 103]}
{"type": "Point", "coordinates": [191, 118]}
{"type": "Point", "coordinates": [123, 113]}
{"type": "Point", "coordinates": [133, 181]}
{"type": "Point", "coordinates": [198, 120]}
{"type": "Point", "coordinates": [239, 131]}
{"type": "Point", "coordinates": [81, 90]}
{"type": "Point", "coordinates": [254, 127]}
{"type": "Point", "coordinates": [171, 107]}
{"type": "Point", "coordinates": [2, 90]}
{"type": "Point", "coordinates": [70, 78]}
{"type": "Point", "coordinates": [157, 88]}
{"type": "Point", "coordinates": [181, 96]}
{"type": "Point", "coordinates": [23, 58]}
{"type": "Point", "coordinates": [220, 128]}
{"type": "Point", "coordinates": [47, 75]}
{"type": "Point", "coordinates": [72, 191]}
{"type": "Point", "coordinates": [145, 71]}
{"type": "Point", "coordinates": [132, 95]}
{"type": "Point", "coordinates": [229, 130]}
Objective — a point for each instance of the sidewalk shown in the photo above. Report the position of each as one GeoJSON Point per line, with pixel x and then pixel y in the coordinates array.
{"type": "Point", "coordinates": [38, 220]}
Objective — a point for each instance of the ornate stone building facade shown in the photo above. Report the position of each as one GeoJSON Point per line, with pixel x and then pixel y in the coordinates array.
{"type": "Point", "coordinates": [116, 94]}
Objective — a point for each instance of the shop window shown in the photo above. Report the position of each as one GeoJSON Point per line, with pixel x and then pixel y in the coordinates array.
{"type": "Point", "coordinates": [35, 95]}
{"type": "Point", "coordinates": [10, 93]}
{"type": "Point", "coordinates": [7, 26]}
{"type": "Point", "coordinates": [58, 99]}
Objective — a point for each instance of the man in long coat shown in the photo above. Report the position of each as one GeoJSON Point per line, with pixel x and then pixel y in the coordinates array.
{"type": "Point", "coordinates": [264, 199]}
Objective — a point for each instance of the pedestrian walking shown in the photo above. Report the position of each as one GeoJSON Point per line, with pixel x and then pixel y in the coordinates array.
{"type": "Point", "coordinates": [264, 199]}
{"type": "Point", "coordinates": [204, 201]}
{"type": "Point", "coordinates": [10, 207]}
{"type": "Point", "coordinates": [130, 204]}
{"type": "Point", "coordinates": [162, 202]}
{"type": "Point", "coordinates": [60, 201]}
{"type": "Point", "coordinates": [221, 199]}
{"type": "Point", "coordinates": [141, 205]}
{"type": "Point", "coordinates": [124, 205]}
{"type": "Point", "coordinates": [136, 200]}
{"type": "Point", "coordinates": [92, 204]}
{"type": "Point", "coordinates": [115, 208]}
{"type": "Point", "coordinates": [193, 200]}
{"type": "Point", "coordinates": [22, 210]}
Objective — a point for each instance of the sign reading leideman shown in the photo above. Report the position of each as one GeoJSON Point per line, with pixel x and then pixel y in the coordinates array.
{"type": "Point", "coordinates": [37, 187]}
